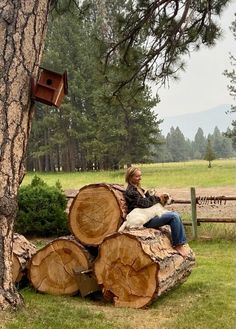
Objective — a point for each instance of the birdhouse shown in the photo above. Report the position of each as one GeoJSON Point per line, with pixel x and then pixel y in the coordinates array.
{"type": "Point", "coordinates": [50, 88]}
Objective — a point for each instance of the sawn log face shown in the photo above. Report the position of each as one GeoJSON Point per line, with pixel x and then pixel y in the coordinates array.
{"type": "Point", "coordinates": [52, 268]}
{"type": "Point", "coordinates": [96, 212]}
{"type": "Point", "coordinates": [136, 267]}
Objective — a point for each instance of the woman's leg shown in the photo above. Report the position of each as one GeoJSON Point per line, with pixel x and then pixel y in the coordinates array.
{"type": "Point", "coordinates": [173, 219]}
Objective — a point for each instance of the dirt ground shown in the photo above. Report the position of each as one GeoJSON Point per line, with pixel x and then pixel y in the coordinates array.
{"type": "Point", "coordinates": [206, 209]}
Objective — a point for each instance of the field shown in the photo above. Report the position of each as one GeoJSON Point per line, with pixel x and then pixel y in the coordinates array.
{"type": "Point", "coordinates": [177, 175]}
{"type": "Point", "coordinates": [205, 301]}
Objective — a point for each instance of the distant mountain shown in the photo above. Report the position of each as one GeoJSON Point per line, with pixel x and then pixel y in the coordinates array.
{"type": "Point", "coordinates": [207, 120]}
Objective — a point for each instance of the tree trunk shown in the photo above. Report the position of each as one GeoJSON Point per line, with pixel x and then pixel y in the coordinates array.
{"type": "Point", "coordinates": [135, 268]}
{"type": "Point", "coordinates": [52, 269]}
{"type": "Point", "coordinates": [22, 33]}
{"type": "Point", "coordinates": [23, 250]}
{"type": "Point", "coordinates": [97, 211]}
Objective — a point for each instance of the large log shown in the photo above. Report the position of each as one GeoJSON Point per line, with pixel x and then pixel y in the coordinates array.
{"type": "Point", "coordinates": [23, 250]}
{"type": "Point", "coordinates": [96, 212]}
{"type": "Point", "coordinates": [135, 267]}
{"type": "Point", "coordinates": [53, 268]}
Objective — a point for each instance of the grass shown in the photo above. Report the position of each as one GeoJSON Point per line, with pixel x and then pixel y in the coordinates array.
{"type": "Point", "coordinates": [181, 174]}
{"type": "Point", "coordinates": [205, 301]}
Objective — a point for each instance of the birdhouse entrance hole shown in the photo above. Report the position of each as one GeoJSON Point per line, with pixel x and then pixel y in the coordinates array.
{"type": "Point", "coordinates": [49, 82]}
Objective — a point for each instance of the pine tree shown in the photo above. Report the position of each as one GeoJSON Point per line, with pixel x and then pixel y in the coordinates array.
{"type": "Point", "coordinates": [92, 127]}
{"type": "Point", "coordinates": [22, 35]}
{"type": "Point", "coordinates": [199, 144]}
{"type": "Point", "coordinates": [168, 30]}
{"type": "Point", "coordinates": [177, 145]}
{"type": "Point", "coordinates": [209, 154]}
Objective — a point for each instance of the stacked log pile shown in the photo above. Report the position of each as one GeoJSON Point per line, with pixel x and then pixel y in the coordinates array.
{"type": "Point", "coordinates": [131, 268]}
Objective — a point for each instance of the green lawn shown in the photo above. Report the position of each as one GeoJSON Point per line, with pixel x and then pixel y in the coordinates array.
{"type": "Point", "coordinates": [181, 174]}
{"type": "Point", "coordinates": [205, 301]}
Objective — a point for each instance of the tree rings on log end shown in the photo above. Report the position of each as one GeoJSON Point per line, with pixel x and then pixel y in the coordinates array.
{"type": "Point", "coordinates": [136, 267]}
{"type": "Point", "coordinates": [52, 268]}
{"type": "Point", "coordinates": [96, 212]}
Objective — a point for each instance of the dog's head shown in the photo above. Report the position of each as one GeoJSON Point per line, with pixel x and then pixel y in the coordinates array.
{"type": "Point", "coordinates": [165, 199]}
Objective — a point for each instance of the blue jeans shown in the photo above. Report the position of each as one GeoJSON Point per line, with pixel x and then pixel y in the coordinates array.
{"type": "Point", "coordinates": [173, 219]}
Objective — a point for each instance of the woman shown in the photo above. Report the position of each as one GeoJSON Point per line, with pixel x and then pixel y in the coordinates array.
{"type": "Point", "coordinates": [136, 197]}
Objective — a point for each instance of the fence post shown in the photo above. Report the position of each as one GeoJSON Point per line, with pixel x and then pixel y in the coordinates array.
{"type": "Point", "coordinates": [194, 213]}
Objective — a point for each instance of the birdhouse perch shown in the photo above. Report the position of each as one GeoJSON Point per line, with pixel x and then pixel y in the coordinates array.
{"type": "Point", "coordinates": [50, 88]}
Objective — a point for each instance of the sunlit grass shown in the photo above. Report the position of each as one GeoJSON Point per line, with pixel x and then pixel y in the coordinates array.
{"type": "Point", "coordinates": [181, 174]}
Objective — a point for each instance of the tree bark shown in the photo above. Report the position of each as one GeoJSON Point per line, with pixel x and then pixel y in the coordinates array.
{"type": "Point", "coordinates": [22, 33]}
{"type": "Point", "coordinates": [52, 269]}
{"type": "Point", "coordinates": [135, 268]}
{"type": "Point", "coordinates": [23, 250]}
{"type": "Point", "coordinates": [97, 211]}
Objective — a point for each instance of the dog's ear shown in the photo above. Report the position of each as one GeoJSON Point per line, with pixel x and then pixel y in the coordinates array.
{"type": "Point", "coordinates": [164, 198]}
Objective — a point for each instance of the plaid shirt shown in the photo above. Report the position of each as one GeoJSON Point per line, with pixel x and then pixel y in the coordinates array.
{"type": "Point", "coordinates": [135, 200]}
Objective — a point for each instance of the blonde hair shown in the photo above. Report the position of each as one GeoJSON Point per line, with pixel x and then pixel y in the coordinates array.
{"type": "Point", "coordinates": [130, 173]}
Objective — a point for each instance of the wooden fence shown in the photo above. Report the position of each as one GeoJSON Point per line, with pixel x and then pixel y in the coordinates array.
{"type": "Point", "coordinates": [195, 220]}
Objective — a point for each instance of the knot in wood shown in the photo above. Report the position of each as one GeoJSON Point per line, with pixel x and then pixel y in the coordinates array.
{"type": "Point", "coordinates": [8, 206]}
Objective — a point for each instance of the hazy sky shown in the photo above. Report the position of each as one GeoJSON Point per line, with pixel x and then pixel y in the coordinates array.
{"type": "Point", "coordinates": [202, 86]}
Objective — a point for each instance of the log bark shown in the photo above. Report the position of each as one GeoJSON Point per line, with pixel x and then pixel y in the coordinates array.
{"type": "Point", "coordinates": [22, 33]}
{"type": "Point", "coordinates": [52, 269]}
{"type": "Point", "coordinates": [23, 250]}
{"type": "Point", "coordinates": [96, 212]}
{"type": "Point", "coordinates": [134, 268]}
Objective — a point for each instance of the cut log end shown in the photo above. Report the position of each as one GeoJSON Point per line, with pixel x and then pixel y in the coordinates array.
{"type": "Point", "coordinates": [95, 213]}
{"type": "Point", "coordinates": [17, 272]}
{"type": "Point", "coordinates": [136, 267]}
{"type": "Point", "coordinates": [52, 268]}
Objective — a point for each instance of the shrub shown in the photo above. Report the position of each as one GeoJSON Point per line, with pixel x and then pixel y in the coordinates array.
{"type": "Point", "coordinates": [41, 209]}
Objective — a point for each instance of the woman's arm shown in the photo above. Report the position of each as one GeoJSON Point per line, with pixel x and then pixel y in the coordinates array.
{"type": "Point", "coordinates": [135, 200]}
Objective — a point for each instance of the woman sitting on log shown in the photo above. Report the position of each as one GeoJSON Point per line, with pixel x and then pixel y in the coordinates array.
{"type": "Point", "coordinates": [136, 197]}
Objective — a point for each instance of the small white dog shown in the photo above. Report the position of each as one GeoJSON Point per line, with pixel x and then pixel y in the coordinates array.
{"type": "Point", "coordinates": [139, 216]}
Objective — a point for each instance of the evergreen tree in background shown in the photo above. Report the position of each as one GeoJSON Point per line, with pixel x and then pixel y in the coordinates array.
{"type": "Point", "coordinates": [199, 145]}
{"type": "Point", "coordinates": [91, 130]}
{"type": "Point", "coordinates": [96, 128]}
{"type": "Point", "coordinates": [209, 153]}
{"type": "Point", "coordinates": [176, 145]}
{"type": "Point", "coordinates": [221, 145]}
